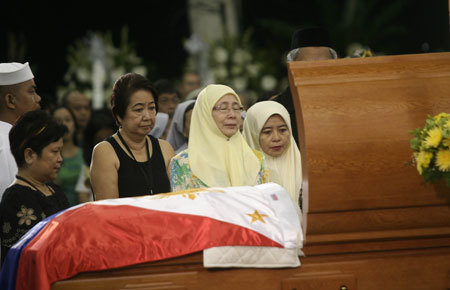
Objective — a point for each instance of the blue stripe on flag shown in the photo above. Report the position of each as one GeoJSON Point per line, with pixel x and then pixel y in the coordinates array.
{"type": "Point", "coordinates": [10, 265]}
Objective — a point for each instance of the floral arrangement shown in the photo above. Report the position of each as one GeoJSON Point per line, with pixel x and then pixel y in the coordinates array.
{"type": "Point", "coordinates": [431, 146]}
{"type": "Point", "coordinates": [99, 47]}
{"type": "Point", "coordinates": [235, 62]}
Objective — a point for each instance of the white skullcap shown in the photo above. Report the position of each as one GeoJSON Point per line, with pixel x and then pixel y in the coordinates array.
{"type": "Point", "coordinates": [14, 73]}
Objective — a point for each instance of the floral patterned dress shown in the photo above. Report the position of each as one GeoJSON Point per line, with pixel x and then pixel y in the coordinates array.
{"type": "Point", "coordinates": [181, 176]}
{"type": "Point", "coordinates": [22, 208]}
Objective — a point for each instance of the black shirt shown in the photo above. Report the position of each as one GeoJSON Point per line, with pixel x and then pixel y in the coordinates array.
{"type": "Point", "coordinates": [141, 178]}
{"type": "Point", "coordinates": [22, 208]}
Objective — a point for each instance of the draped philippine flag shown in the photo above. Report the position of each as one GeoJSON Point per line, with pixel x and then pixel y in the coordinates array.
{"type": "Point", "coordinates": [121, 232]}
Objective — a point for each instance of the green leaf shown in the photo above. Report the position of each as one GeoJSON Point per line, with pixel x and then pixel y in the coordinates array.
{"type": "Point", "coordinates": [415, 144]}
{"type": "Point", "coordinates": [447, 178]}
{"type": "Point", "coordinates": [446, 133]}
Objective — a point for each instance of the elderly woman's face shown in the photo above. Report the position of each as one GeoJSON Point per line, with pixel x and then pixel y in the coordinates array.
{"type": "Point", "coordinates": [46, 166]}
{"type": "Point", "coordinates": [227, 114]}
{"type": "Point", "coordinates": [274, 136]}
{"type": "Point", "coordinates": [140, 114]}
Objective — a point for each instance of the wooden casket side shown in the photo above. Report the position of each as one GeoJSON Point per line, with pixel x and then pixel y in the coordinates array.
{"type": "Point", "coordinates": [354, 118]}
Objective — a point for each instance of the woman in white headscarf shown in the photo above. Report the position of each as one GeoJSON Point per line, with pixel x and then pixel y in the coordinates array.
{"type": "Point", "coordinates": [179, 129]}
{"type": "Point", "coordinates": [161, 122]}
{"type": "Point", "coordinates": [267, 128]}
{"type": "Point", "coordinates": [217, 154]}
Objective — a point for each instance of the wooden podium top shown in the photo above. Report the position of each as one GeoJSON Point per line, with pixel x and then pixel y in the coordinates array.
{"type": "Point", "coordinates": [354, 118]}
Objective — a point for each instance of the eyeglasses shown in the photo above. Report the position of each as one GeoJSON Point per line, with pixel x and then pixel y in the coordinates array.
{"type": "Point", "coordinates": [223, 108]}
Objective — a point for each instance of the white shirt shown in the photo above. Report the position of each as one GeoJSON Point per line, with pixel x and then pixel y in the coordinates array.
{"type": "Point", "coordinates": [8, 166]}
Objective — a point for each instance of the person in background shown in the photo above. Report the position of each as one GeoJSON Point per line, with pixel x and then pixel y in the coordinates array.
{"type": "Point", "coordinates": [193, 94]}
{"type": "Point", "coordinates": [18, 95]}
{"type": "Point", "coordinates": [161, 125]}
{"type": "Point", "coordinates": [308, 44]}
{"type": "Point", "coordinates": [189, 82]}
{"type": "Point", "coordinates": [131, 162]}
{"type": "Point", "coordinates": [217, 154]}
{"type": "Point", "coordinates": [179, 131]}
{"type": "Point", "coordinates": [73, 158]}
{"type": "Point", "coordinates": [36, 143]}
{"type": "Point", "coordinates": [168, 99]}
{"type": "Point", "coordinates": [81, 107]}
{"type": "Point", "coordinates": [100, 126]}
{"type": "Point", "coordinates": [267, 128]}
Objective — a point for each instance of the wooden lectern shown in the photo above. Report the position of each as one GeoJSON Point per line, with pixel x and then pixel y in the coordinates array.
{"type": "Point", "coordinates": [371, 222]}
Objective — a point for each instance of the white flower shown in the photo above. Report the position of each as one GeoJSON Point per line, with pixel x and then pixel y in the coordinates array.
{"type": "Point", "coordinates": [220, 72]}
{"type": "Point", "coordinates": [236, 70]}
{"type": "Point", "coordinates": [132, 58]}
{"type": "Point", "coordinates": [83, 75]}
{"type": "Point", "coordinates": [239, 84]}
{"type": "Point", "coordinates": [87, 93]}
{"type": "Point", "coordinates": [253, 70]}
{"type": "Point", "coordinates": [142, 70]}
{"type": "Point", "coordinates": [351, 48]}
{"type": "Point", "coordinates": [117, 72]}
{"type": "Point", "coordinates": [241, 56]}
{"type": "Point", "coordinates": [268, 82]}
{"type": "Point", "coordinates": [220, 54]}
{"type": "Point", "coordinates": [194, 44]}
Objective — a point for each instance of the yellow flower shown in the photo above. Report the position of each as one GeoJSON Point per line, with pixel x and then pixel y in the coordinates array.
{"type": "Point", "coordinates": [447, 124]}
{"type": "Point", "coordinates": [434, 137]}
{"type": "Point", "coordinates": [440, 116]}
{"type": "Point", "coordinates": [443, 160]}
{"type": "Point", "coordinates": [446, 142]}
{"type": "Point", "coordinates": [423, 159]}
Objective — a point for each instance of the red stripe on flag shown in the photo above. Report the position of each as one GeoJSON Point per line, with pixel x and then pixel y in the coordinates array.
{"type": "Point", "coordinates": [98, 237]}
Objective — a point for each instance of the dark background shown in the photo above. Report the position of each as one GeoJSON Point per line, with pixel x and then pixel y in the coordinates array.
{"type": "Point", "coordinates": [42, 30]}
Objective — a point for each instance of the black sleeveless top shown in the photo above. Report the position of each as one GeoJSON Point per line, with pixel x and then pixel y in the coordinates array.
{"type": "Point", "coordinates": [141, 178]}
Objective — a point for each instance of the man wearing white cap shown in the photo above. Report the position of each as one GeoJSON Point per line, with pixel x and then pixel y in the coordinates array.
{"type": "Point", "coordinates": [17, 96]}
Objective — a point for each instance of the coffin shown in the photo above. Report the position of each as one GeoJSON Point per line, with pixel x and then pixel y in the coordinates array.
{"type": "Point", "coordinates": [370, 221]}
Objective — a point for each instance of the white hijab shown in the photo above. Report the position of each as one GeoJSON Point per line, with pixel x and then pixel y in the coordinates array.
{"type": "Point", "coordinates": [214, 158]}
{"type": "Point", "coordinates": [286, 170]}
{"type": "Point", "coordinates": [176, 136]}
{"type": "Point", "coordinates": [162, 119]}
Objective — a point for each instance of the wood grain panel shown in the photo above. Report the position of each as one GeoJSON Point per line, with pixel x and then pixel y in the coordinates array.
{"type": "Point", "coordinates": [353, 118]}
{"type": "Point", "coordinates": [426, 269]}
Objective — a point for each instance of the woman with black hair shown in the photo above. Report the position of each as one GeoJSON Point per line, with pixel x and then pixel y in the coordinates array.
{"type": "Point", "coordinates": [131, 162]}
{"type": "Point", "coordinates": [36, 141]}
{"type": "Point", "coordinates": [73, 158]}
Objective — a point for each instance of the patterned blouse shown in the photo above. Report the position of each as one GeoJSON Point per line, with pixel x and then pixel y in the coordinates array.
{"type": "Point", "coordinates": [22, 208]}
{"type": "Point", "coordinates": [181, 176]}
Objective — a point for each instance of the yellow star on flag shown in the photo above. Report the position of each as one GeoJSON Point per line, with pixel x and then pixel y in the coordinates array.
{"type": "Point", "coordinates": [256, 216]}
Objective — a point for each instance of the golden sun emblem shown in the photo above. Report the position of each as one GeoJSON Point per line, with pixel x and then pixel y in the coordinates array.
{"type": "Point", "coordinates": [256, 216]}
{"type": "Point", "coordinates": [188, 193]}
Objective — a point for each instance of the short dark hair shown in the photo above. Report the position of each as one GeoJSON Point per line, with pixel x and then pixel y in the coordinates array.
{"type": "Point", "coordinates": [124, 88]}
{"type": "Point", "coordinates": [35, 129]}
{"type": "Point", "coordinates": [164, 86]}
{"type": "Point", "coordinates": [100, 119]}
